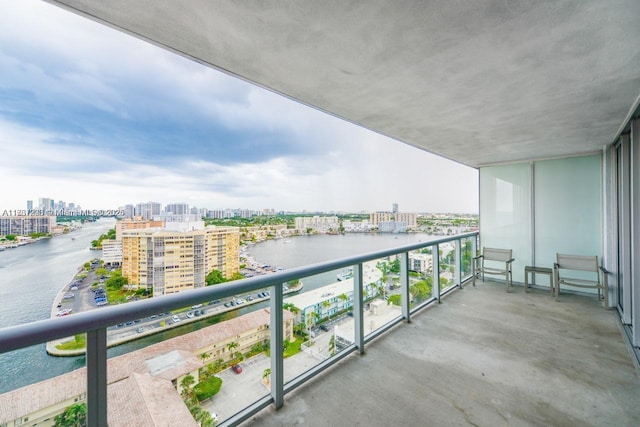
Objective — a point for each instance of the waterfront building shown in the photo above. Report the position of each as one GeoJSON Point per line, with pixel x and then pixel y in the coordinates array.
{"type": "Point", "coordinates": [29, 205]}
{"type": "Point", "coordinates": [170, 261]}
{"type": "Point", "coordinates": [392, 226]}
{"type": "Point", "coordinates": [144, 385]}
{"type": "Point", "coordinates": [317, 224]}
{"type": "Point", "coordinates": [136, 223]}
{"type": "Point", "coordinates": [321, 303]}
{"type": "Point", "coordinates": [411, 219]}
{"type": "Point", "coordinates": [23, 225]}
{"type": "Point", "coordinates": [112, 252]}
{"type": "Point", "coordinates": [356, 226]}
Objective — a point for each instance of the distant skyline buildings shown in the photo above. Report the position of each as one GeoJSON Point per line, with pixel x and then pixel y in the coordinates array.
{"type": "Point", "coordinates": [181, 211]}
{"type": "Point", "coordinates": [49, 204]}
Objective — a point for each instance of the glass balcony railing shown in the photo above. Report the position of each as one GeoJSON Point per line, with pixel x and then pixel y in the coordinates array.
{"type": "Point", "coordinates": [291, 335]}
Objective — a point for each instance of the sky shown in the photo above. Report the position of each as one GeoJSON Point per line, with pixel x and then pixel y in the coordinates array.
{"type": "Point", "coordinates": [96, 117]}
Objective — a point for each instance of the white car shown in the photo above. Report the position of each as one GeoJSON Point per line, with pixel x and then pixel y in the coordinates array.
{"type": "Point", "coordinates": [175, 319]}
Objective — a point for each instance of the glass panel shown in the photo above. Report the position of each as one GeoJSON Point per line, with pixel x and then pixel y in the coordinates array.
{"type": "Point", "coordinates": [466, 255]}
{"type": "Point", "coordinates": [322, 322]}
{"type": "Point", "coordinates": [447, 252]}
{"type": "Point", "coordinates": [382, 293]}
{"type": "Point", "coordinates": [505, 212]}
{"type": "Point", "coordinates": [420, 276]}
{"type": "Point", "coordinates": [567, 208]}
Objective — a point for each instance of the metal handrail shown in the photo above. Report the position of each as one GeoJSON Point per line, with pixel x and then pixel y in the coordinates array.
{"type": "Point", "coordinates": [96, 322]}
{"type": "Point", "coordinates": [41, 331]}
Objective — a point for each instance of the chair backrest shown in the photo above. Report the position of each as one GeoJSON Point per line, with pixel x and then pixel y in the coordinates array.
{"type": "Point", "coordinates": [577, 262]}
{"type": "Point", "coordinates": [494, 254]}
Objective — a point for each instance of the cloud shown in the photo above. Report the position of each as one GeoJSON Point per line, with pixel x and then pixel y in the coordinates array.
{"type": "Point", "coordinates": [94, 116]}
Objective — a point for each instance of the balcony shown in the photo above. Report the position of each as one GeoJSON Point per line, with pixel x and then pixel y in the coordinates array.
{"type": "Point", "coordinates": [553, 128]}
{"type": "Point", "coordinates": [480, 356]}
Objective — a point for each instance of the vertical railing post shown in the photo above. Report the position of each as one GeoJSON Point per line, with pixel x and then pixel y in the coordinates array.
{"type": "Point", "coordinates": [435, 284]}
{"type": "Point", "coordinates": [404, 287]}
{"type": "Point", "coordinates": [276, 345]}
{"type": "Point", "coordinates": [458, 264]}
{"type": "Point", "coordinates": [474, 246]}
{"type": "Point", "coordinates": [358, 307]}
{"type": "Point", "coordinates": [97, 378]}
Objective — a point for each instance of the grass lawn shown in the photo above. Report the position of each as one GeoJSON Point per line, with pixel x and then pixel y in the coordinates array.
{"type": "Point", "coordinates": [79, 342]}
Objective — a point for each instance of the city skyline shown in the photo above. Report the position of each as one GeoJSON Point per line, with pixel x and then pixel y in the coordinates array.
{"type": "Point", "coordinates": [93, 115]}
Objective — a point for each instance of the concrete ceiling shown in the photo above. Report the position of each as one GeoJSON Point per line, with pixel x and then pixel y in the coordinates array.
{"type": "Point", "coordinates": [480, 82]}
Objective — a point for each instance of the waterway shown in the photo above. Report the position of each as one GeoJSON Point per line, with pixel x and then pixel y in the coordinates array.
{"type": "Point", "coordinates": [30, 278]}
{"type": "Point", "coordinates": [32, 275]}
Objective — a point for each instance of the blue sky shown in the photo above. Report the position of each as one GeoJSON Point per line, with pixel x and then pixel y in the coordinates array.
{"type": "Point", "coordinates": [94, 116]}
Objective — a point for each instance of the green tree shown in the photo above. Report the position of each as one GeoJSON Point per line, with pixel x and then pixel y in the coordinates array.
{"type": "Point", "coordinates": [73, 416]}
{"type": "Point", "coordinates": [215, 277]}
{"type": "Point", "coordinates": [102, 272]}
{"type": "Point", "coordinates": [232, 345]}
{"type": "Point", "coordinates": [186, 384]}
{"type": "Point", "coordinates": [395, 266]}
{"type": "Point", "coordinates": [421, 290]}
{"type": "Point", "coordinates": [116, 281]}
{"type": "Point", "coordinates": [11, 237]}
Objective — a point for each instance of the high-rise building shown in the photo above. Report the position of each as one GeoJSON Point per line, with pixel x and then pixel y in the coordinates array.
{"type": "Point", "coordinates": [29, 205]}
{"type": "Point", "coordinates": [26, 224]}
{"type": "Point", "coordinates": [148, 210]}
{"type": "Point", "coordinates": [320, 224]}
{"type": "Point", "coordinates": [410, 219]}
{"type": "Point", "coordinates": [167, 262]}
{"type": "Point", "coordinates": [177, 209]}
{"type": "Point", "coordinates": [394, 208]}
{"type": "Point", "coordinates": [136, 223]}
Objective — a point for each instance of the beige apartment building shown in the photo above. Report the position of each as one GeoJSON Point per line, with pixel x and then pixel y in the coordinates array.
{"type": "Point", "coordinates": [411, 219]}
{"type": "Point", "coordinates": [167, 261]}
{"type": "Point", "coordinates": [136, 223]}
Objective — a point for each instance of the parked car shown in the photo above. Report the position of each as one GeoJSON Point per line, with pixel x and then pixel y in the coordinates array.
{"type": "Point", "coordinates": [175, 319]}
{"type": "Point", "coordinates": [237, 369]}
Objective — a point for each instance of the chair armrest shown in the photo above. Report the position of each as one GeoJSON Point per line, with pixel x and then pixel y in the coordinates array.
{"type": "Point", "coordinates": [478, 257]}
{"type": "Point", "coordinates": [604, 270]}
{"type": "Point", "coordinates": [511, 260]}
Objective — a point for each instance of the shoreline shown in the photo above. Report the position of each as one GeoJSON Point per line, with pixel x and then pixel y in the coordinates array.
{"type": "Point", "coordinates": [218, 310]}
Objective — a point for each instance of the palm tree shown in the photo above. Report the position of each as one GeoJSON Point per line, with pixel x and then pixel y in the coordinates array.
{"type": "Point", "coordinates": [231, 346]}
{"type": "Point", "coordinates": [345, 300]}
{"type": "Point", "coordinates": [186, 384]}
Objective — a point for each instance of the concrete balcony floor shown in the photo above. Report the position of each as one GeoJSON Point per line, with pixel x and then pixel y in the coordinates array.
{"type": "Point", "coordinates": [483, 357]}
